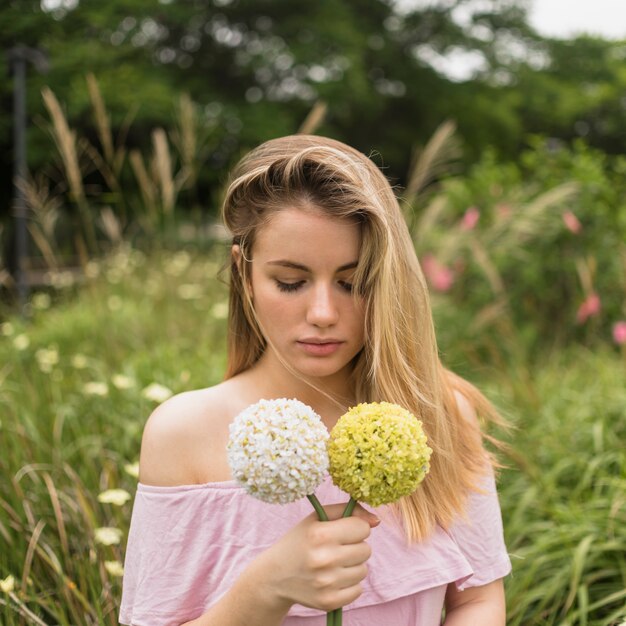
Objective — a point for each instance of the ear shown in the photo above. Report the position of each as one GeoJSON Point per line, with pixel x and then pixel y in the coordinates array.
{"type": "Point", "coordinates": [236, 255]}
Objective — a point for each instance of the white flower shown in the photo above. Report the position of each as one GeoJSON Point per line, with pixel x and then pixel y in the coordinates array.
{"type": "Point", "coordinates": [79, 361]}
{"type": "Point", "coordinates": [8, 584]}
{"type": "Point", "coordinates": [92, 269]}
{"type": "Point", "coordinates": [6, 328]}
{"type": "Point", "coordinates": [219, 311]}
{"type": "Point", "coordinates": [114, 496]}
{"type": "Point", "coordinates": [122, 382]}
{"type": "Point", "coordinates": [108, 536]}
{"type": "Point", "coordinates": [190, 291]}
{"type": "Point", "coordinates": [178, 263]}
{"type": "Point", "coordinates": [132, 469]}
{"type": "Point", "coordinates": [95, 388]}
{"type": "Point", "coordinates": [47, 359]}
{"type": "Point", "coordinates": [21, 342]}
{"type": "Point", "coordinates": [157, 393]}
{"type": "Point", "coordinates": [114, 568]}
{"type": "Point", "coordinates": [277, 450]}
{"type": "Point", "coordinates": [41, 301]}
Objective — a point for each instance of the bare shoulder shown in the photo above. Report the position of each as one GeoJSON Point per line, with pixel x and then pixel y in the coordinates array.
{"type": "Point", "coordinates": [184, 439]}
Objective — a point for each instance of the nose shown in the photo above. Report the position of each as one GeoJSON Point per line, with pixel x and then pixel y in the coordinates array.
{"type": "Point", "coordinates": [322, 309]}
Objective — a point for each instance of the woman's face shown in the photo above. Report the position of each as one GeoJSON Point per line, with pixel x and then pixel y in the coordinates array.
{"type": "Point", "coordinates": [303, 263]}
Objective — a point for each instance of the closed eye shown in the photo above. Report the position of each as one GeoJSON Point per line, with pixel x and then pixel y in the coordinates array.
{"type": "Point", "coordinates": [289, 287]}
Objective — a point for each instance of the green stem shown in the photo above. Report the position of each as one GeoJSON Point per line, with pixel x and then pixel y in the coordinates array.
{"type": "Point", "coordinates": [349, 508]}
{"type": "Point", "coordinates": [318, 507]}
{"type": "Point", "coordinates": [338, 616]}
{"type": "Point", "coordinates": [321, 513]}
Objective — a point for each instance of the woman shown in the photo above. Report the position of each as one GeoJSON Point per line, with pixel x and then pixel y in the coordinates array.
{"type": "Point", "coordinates": [327, 305]}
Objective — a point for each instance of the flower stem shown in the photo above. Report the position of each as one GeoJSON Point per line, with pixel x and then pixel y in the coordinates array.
{"type": "Point", "coordinates": [321, 513]}
{"type": "Point", "coordinates": [318, 507]}
{"type": "Point", "coordinates": [349, 508]}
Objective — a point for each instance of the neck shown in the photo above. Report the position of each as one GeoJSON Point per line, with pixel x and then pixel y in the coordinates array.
{"type": "Point", "coordinates": [271, 379]}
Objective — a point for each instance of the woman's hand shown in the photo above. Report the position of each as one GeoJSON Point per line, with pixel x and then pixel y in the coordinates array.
{"type": "Point", "coordinates": [318, 564]}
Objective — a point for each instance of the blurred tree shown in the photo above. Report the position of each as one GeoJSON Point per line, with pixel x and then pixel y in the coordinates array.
{"type": "Point", "coordinates": [390, 72]}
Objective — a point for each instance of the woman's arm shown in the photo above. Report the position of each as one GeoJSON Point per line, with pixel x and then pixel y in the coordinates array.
{"type": "Point", "coordinates": [476, 606]}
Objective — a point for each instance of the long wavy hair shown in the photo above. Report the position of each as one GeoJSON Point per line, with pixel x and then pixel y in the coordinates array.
{"type": "Point", "coordinates": [399, 361]}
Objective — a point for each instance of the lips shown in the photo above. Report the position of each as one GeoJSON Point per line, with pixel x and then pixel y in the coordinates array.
{"type": "Point", "coordinates": [319, 347]}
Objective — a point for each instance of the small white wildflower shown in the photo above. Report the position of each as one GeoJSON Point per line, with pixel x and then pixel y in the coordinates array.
{"type": "Point", "coordinates": [115, 568]}
{"type": "Point", "coordinates": [219, 311]}
{"type": "Point", "coordinates": [7, 585]}
{"type": "Point", "coordinates": [108, 536]}
{"type": "Point", "coordinates": [47, 359]}
{"type": "Point", "coordinates": [190, 292]}
{"type": "Point", "coordinates": [79, 361]}
{"type": "Point", "coordinates": [21, 342]}
{"type": "Point", "coordinates": [118, 497]}
{"type": "Point", "coordinates": [120, 381]}
{"type": "Point", "coordinates": [277, 450]}
{"type": "Point", "coordinates": [178, 263]}
{"type": "Point", "coordinates": [95, 388]}
{"type": "Point", "coordinates": [114, 275]}
{"type": "Point", "coordinates": [157, 393]}
{"type": "Point", "coordinates": [41, 301]}
{"type": "Point", "coordinates": [92, 269]}
{"type": "Point", "coordinates": [132, 469]}
{"type": "Point", "coordinates": [6, 328]}
{"type": "Point", "coordinates": [61, 280]}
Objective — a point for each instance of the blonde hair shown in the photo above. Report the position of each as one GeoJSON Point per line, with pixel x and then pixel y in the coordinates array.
{"type": "Point", "coordinates": [399, 361]}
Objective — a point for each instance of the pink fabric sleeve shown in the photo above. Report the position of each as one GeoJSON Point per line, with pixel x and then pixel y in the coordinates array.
{"type": "Point", "coordinates": [479, 536]}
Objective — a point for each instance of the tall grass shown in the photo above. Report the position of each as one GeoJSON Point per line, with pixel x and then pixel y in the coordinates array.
{"type": "Point", "coordinates": [78, 381]}
{"type": "Point", "coordinates": [76, 385]}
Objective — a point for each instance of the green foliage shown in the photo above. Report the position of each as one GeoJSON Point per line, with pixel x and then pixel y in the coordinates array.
{"type": "Point", "coordinates": [74, 393]}
{"type": "Point", "coordinates": [520, 269]}
{"type": "Point", "coordinates": [73, 400]}
{"type": "Point", "coordinates": [255, 69]}
{"type": "Point", "coordinates": [562, 494]}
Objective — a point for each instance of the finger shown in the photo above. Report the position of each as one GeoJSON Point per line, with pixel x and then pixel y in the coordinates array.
{"type": "Point", "coordinates": [343, 531]}
{"type": "Point", "coordinates": [353, 554]}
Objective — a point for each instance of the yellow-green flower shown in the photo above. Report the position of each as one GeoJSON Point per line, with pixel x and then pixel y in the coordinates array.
{"type": "Point", "coordinates": [378, 453]}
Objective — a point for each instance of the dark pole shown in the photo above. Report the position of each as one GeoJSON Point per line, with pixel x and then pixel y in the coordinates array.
{"type": "Point", "coordinates": [19, 176]}
{"type": "Point", "coordinates": [18, 56]}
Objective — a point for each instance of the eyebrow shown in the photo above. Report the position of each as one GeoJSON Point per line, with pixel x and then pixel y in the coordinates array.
{"type": "Point", "coordinates": [304, 268]}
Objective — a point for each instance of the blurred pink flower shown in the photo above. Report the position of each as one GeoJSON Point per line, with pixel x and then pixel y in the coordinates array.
{"type": "Point", "coordinates": [619, 332]}
{"type": "Point", "coordinates": [470, 218]}
{"type": "Point", "coordinates": [439, 276]}
{"type": "Point", "coordinates": [590, 307]}
{"type": "Point", "coordinates": [571, 222]}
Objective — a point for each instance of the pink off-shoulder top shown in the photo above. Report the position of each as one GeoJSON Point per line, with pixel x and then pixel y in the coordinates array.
{"type": "Point", "coordinates": [188, 544]}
